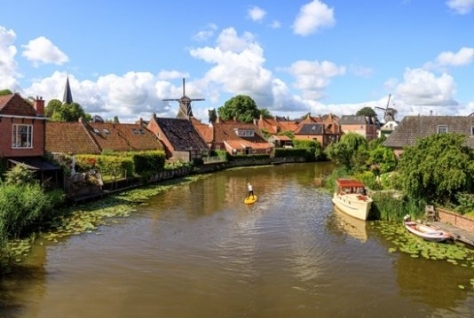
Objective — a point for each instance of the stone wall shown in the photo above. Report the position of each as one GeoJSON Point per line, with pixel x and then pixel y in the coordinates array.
{"type": "Point", "coordinates": [455, 219]}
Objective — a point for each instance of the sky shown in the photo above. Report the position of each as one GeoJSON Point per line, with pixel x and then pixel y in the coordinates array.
{"type": "Point", "coordinates": [291, 57]}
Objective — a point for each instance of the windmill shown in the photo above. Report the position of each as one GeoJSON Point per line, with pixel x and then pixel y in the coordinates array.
{"type": "Point", "coordinates": [185, 110]}
{"type": "Point", "coordinates": [389, 112]}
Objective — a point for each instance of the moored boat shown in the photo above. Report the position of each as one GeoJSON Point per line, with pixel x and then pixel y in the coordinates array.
{"type": "Point", "coordinates": [427, 232]}
{"type": "Point", "coordinates": [350, 196]}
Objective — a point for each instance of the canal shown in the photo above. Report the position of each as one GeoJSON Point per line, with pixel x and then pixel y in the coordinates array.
{"type": "Point", "coordinates": [198, 251]}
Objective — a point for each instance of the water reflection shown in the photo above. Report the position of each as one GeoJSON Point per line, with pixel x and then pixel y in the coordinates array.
{"type": "Point", "coordinates": [349, 225]}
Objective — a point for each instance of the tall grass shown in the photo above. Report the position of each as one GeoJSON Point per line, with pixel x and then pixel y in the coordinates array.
{"type": "Point", "coordinates": [390, 208]}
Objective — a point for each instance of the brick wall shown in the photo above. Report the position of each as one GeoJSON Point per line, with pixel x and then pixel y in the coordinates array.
{"type": "Point", "coordinates": [455, 219]}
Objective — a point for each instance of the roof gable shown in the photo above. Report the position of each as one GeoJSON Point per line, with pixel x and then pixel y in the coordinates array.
{"type": "Point", "coordinates": [14, 104]}
{"type": "Point", "coordinates": [181, 134]}
{"type": "Point", "coordinates": [412, 128]}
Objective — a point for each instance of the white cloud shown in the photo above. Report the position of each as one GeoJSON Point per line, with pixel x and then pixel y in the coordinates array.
{"type": "Point", "coordinates": [423, 88]}
{"type": "Point", "coordinates": [171, 75]}
{"type": "Point", "coordinates": [312, 77]}
{"type": "Point", "coordinates": [8, 65]}
{"type": "Point", "coordinates": [256, 14]}
{"type": "Point", "coordinates": [463, 57]}
{"type": "Point", "coordinates": [461, 6]}
{"type": "Point", "coordinates": [206, 33]}
{"type": "Point", "coordinates": [238, 67]}
{"type": "Point", "coordinates": [42, 50]}
{"type": "Point", "coordinates": [312, 17]}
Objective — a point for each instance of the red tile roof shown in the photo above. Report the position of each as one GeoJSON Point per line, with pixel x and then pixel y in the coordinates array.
{"type": "Point", "coordinates": [14, 104]}
{"type": "Point", "coordinates": [93, 138]}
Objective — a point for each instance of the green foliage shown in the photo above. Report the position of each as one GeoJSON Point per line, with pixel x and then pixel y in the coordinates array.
{"type": "Point", "coordinates": [289, 134]}
{"type": "Point", "coordinates": [350, 152]}
{"type": "Point", "coordinates": [265, 113]}
{"type": "Point", "coordinates": [241, 107]}
{"type": "Point", "coordinates": [291, 152]}
{"type": "Point", "coordinates": [19, 175]}
{"type": "Point", "coordinates": [5, 92]}
{"type": "Point", "coordinates": [21, 206]}
{"type": "Point", "coordinates": [369, 179]}
{"type": "Point", "coordinates": [466, 203]}
{"type": "Point", "coordinates": [149, 162]}
{"type": "Point", "coordinates": [381, 159]}
{"type": "Point", "coordinates": [314, 150]}
{"type": "Point", "coordinates": [212, 114]}
{"type": "Point", "coordinates": [437, 167]}
{"type": "Point", "coordinates": [388, 207]}
{"type": "Point", "coordinates": [52, 106]}
{"type": "Point", "coordinates": [366, 111]}
{"type": "Point", "coordinates": [68, 113]}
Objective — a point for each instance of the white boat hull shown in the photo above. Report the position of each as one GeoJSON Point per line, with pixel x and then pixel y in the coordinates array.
{"type": "Point", "coordinates": [426, 232]}
{"type": "Point", "coordinates": [354, 205]}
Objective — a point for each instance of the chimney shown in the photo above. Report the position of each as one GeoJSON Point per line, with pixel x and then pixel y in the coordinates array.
{"type": "Point", "coordinates": [140, 122]}
{"type": "Point", "coordinates": [218, 119]}
{"type": "Point", "coordinates": [38, 104]}
{"type": "Point", "coordinates": [431, 112]}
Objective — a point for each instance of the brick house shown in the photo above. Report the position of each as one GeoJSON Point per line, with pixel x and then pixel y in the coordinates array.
{"type": "Point", "coordinates": [180, 139]}
{"type": "Point", "coordinates": [235, 137]}
{"type": "Point", "coordinates": [412, 128]}
{"type": "Point", "coordinates": [364, 125]}
{"type": "Point", "coordinates": [22, 128]}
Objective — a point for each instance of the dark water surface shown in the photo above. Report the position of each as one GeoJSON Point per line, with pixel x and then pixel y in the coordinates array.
{"type": "Point", "coordinates": [198, 251]}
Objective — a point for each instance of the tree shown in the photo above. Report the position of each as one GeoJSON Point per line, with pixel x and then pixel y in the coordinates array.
{"type": "Point", "coordinates": [241, 107]}
{"type": "Point", "coordinates": [52, 106]}
{"type": "Point", "coordinates": [5, 92]}
{"type": "Point", "coordinates": [265, 113]}
{"type": "Point", "coordinates": [69, 113]}
{"type": "Point", "coordinates": [366, 111]}
{"type": "Point", "coordinates": [350, 152]}
{"type": "Point", "coordinates": [437, 168]}
{"type": "Point", "coordinates": [116, 119]}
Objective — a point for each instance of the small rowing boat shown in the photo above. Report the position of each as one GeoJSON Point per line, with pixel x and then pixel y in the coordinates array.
{"type": "Point", "coordinates": [427, 232]}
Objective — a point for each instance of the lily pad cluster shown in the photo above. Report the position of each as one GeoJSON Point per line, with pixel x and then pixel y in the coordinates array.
{"type": "Point", "coordinates": [457, 254]}
{"type": "Point", "coordinates": [87, 218]}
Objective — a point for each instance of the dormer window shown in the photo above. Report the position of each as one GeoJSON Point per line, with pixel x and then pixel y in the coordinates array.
{"type": "Point", "coordinates": [442, 129]}
{"type": "Point", "coordinates": [135, 131]}
{"type": "Point", "coordinates": [106, 131]}
{"type": "Point", "coordinates": [244, 133]}
{"type": "Point", "coordinates": [96, 131]}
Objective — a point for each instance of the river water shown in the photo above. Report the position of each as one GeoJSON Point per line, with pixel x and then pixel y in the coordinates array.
{"type": "Point", "coordinates": [198, 251]}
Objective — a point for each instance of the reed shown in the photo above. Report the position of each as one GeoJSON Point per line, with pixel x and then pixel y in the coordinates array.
{"type": "Point", "coordinates": [388, 207]}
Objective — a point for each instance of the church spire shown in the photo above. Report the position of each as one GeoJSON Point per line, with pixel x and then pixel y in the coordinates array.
{"type": "Point", "coordinates": [67, 98]}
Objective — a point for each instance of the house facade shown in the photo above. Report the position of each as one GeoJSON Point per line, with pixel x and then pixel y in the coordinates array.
{"type": "Point", "coordinates": [180, 139]}
{"type": "Point", "coordinates": [412, 128]}
{"type": "Point", "coordinates": [363, 125]}
{"type": "Point", "coordinates": [22, 130]}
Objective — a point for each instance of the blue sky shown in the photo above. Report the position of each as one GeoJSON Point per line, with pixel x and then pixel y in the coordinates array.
{"type": "Point", "coordinates": [291, 57]}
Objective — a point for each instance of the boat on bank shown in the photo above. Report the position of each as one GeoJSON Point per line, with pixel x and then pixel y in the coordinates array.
{"type": "Point", "coordinates": [350, 196]}
{"type": "Point", "coordinates": [425, 231]}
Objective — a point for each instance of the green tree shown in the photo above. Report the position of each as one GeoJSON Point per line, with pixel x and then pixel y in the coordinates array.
{"type": "Point", "coordinates": [241, 107]}
{"type": "Point", "coordinates": [437, 168]}
{"type": "Point", "coordinates": [265, 113]}
{"type": "Point", "coordinates": [366, 111]}
{"type": "Point", "coordinates": [116, 120]}
{"type": "Point", "coordinates": [70, 113]}
{"type": "Point", "coordinates": [350, 152]}
{"type": "Point", "coordinates": [5, 92]}
{"type": "Point", "coordinates": [52, 106]}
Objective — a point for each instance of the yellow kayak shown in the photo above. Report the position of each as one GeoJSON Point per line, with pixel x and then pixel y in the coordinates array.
{"type": "Point", "coordinates": [250, 199]}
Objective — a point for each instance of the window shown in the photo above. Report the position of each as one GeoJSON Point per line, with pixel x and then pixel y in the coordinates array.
{"type": "Point", "coordinates": [135, 131]}
{"type": "Point", "coordinates": [96, 131]}
{"type": "Point", "coordinates": [106, 131]}
{"type": "Point", "coordinates": [472, 130]}
{"type": "Point", "coordinates": [22, 136]}
{"type": "Point", "coordinates": [141, 131]}
{"type": "Point", "coordinates": [442, 129]}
